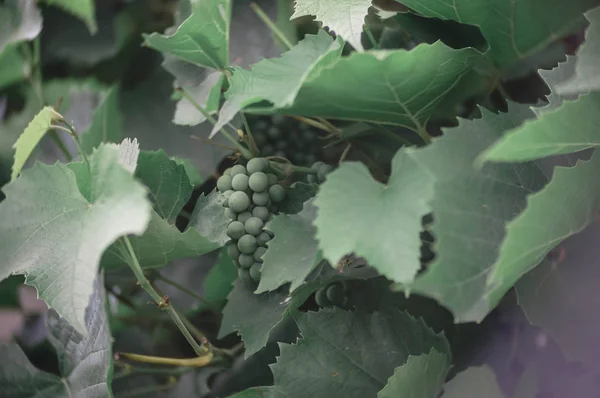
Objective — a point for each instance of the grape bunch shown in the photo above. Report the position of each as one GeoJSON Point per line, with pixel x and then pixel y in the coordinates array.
{"type": "Point", "coordinates": [251, 194]}
{"type": "Point", "coordinates": [322, 170]}
{"type": "Point", "coordinates": [280, 136]}
{"type": "Point", "coordinates": [332, 295]}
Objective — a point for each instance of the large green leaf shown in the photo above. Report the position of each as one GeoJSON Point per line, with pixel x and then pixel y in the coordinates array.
{"type": "Point", "coordinates": [83, 9]}
{"type": "Point", "coordinates": [293, 253]}
{"type": "Point", "coordinates": [470, 210]}
{"type": "Point", "coordinates": [85, 361]}
{"type": "Point", "coordinates": [345, 17]}
{"type": "Point", "coordinates": [278, 80]}
{"type": "Point", "coordinates": [343, 354]}
{"type": "Point", "coordinates": [209, 217]}
{"type": "Point", "coordinates": [13, 66]}
{"type": "Point", "coordinates": [474, 382]}
{"type": "Point", "coordinates": [405, 88]}
{"type": "Point", "coordinates": [202, 39]}
{"type": "Point", "coordinates": [58, 244]}
{"type": "Point", "coordinates": [587, 77]}
{"type": "Point", "coordinates": [385, 219]}
{"type": "Point", "coordinates": [20, 20]}
{"type": "Point", "coordinates": [569, 128]}
{"type": "Point", "coordinates": [219, 281]}
{"type": "Point", "coordinates": [422, 376]}
{"type": "Point", "coordinates": [107, 125]}
{"type": "Point", "coordinates": [31, 137]}
{"type": "Point", "coordinates": [203, 86]}
{"type": "Point", "coordinates": [507, 24]}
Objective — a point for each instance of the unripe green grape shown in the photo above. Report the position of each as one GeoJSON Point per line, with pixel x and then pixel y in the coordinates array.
{"type": "Point", "coordinates": [272, 179]}
{"type": "Point", "coordinates": [321, 298]}
{"type": "Point", "coordinates": [230, 214]}
{"type": "Point", "coordinates": [317, 165]}
{"type": "Point", "coordinates": [256, 165]}
{"type": "Point", "coordinates": [258, 254]}
{"type": "Point", "coordinates": [261, 212]}
{"type": "Point", "coordinates": [224, 183]}
{"type": "Point", "coordinates": [228, 193]}
{"type": "Point", "coordinates": [232, 250]}
{"type": "Point", "coordinates": [227, 172]}
{"type": "Point", "coordinates": [270, 233]}
{"type": "Point", "coordinates": [323, 171]}
{"type": "Point", "coordinates": [255, 271]}
{"type": "Point", "coordinates": [239, 201]}
{"type": "Point", "coordinates": [243, 217]}
{"type": "Point", "coordinates": [239, 182]}
{"type": "Point", "coordinates": [253, 226]}
{"type": "Point", "coordinates": [244, 275]}
{"type": "Point", "coordinates": [235, 230]}
{"type": "Point", "coordinates": [247, 244]}
{"type": "Point", "coordinates": [238, 169]}
{"type": "Point", "coordinates": [260, 198]}
{"type": "Point", "coordinates": [312, 179]}
{"type": "Point", "coordinates": [263, 238]}
{"type": "Point", "coordinates": [277, 193]}
{"type": "Point", "coordinates": [245, 260]}
{"type": "Point", "coordinates": [259, 182]}
{"type": "Point", "coordinates": [335, 294]}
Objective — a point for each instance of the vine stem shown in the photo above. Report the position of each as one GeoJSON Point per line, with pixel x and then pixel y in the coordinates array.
{"type": "Point", "coordinates": [371, 37]}
{"type": "Point", "coordinates": [145, 391]}
{"type": "Point", "coordinates": [213, 121]}
{"type": "Point", "coordinates": [196, 362]}
{"type": "Point", "coordinates": [129, 369]}
{"type": "Point", "coordinates": [71, 131]}
{"type": "Point", "coordinates": [162, 302]}
{"type": "Point", "coordinates": [289, 168]}
{"type": "Point", "coordinates": [316, 124]}
{"type": "Point", "coordinates": [271, 25]}
{"type": "Point", "coordinates": [251, 142]}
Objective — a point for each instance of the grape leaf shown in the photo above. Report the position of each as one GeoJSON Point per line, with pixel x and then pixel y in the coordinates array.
{"type": "Point", "coordinates": [295, 197]}
{"type": "Point", "coordinates": [203, 87]}
{"type": "Point", "coordinates": [341, 353]}
{"type": "Point", "coordinates": [586, 77]}
{"type": "Point", "coordinates": [82, 9]}
{"type": "Point", "coordinates": [566, 129]}
{"type": "Point", "coordinates": [560, 295]}
{"type": "Point", "coordinates": [192, 172]}
{"type": "Point", "coordinates": [54, 234]}
{"type": "Point", "coordinates": [385, 218]}
{"type": "Point", "coordinates": [254, 316]}
{"type": "Point", "coordinates": [256, 392]}
{"type": "Point", "coordinates": [294, 251]}
{"type": "Point", "coordinates": [278, 80]}
{"type": "Point", "coordinates": [107, 124]}
{"type": "Point", "coordinates": [169, 185]}
{"type": "Point", "coordinates": [470, 210]}
{"type": "Point", "coordinates": [30, 138]}
{"type": "Point", "coordinates": [209, 217]}
{"type": "Point", "coordinates": [20, 20]}
{"type": "Point", "coordinates": [169, 189]}
{"type": "Point", "coordinates": [85, 362]}
{"type": "Point", "coordinates": [421, 376]}
{"type": "Point", "coordinates": [202, 39]}
{"type": "Point", "coordinates": [13, 66]}
{"type": "Point", "coordinates": [474, 382]}
{"type": "Point", "coordinates": [405, 88]}
{"type": "Point", "coordinates": [219, 281]}
{"type": "Point", "coordinates": [345, 17]}
{"type": "Point", "coordinates": [506, 24]}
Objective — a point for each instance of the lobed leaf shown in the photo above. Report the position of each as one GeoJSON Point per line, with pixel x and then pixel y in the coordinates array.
{"type": "Point", "coordinates": [107, 124]}
{"type": "Point", "coordinates": [474, 381]}
{"type": "Point", "coordinates": [82, 9]}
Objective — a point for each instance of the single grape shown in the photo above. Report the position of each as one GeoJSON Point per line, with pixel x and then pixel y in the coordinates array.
{"type": "Point", "coordinates": [237, 169]}
{"type": "Point", "coordinates": [277, 193]}
{"type": "Point", "coordinates": [260, 198]}
{"type": "Point", "coordinates": [277, 119]}
{"type": "Point", "coordinates": [235, 230]}
{"type": "Point", "coordinates": [243, 217]}
{"type": "Point", "coordinates": [317, 165]}
{"type": "Point", "coordinates": [272, 179]}
{"type": "Point", "coordinates": [244, 275]}
{"type": "Point", "coordinates": [239, 201]}
{"type": "Point", "coordinates": [323, 171]}
{"type": "Point", "coordinates": [245, 260]}
{"type": "Point", "coordinates": [256, 165]}
{"type": "Point", "coordinates": [259, 182]}
{"type": "Point", "coordinates": [224, 183]}
{"type": "Point", "coordinates": [310, 158]}
{"type": "Point", "coordinates": [312, 179]}
{"type": "Point", "coordinates": [335, 294]}
{"type": "Point", "coordinates": [255, 271]}
{"type": "Point", "coordinates": [232, 250]}
{"type": "Point", "coordinates": [247, 244]}
{"type": "Point", "coordinates": [230, 214]}
{"type": "Point", "coordinates": [227, 172]}
{"type": "Point", "coordinates": [261, 212]}
{"type": "Point", "coordinates": [228, 193]}
{"type": "Point", "coordinates": [280, 153]}
{"type": "Point", "coordinates": [270, 233]}
{"type": "Point", "coordinates": [254, 226]}
{"type": "Point", "coordinates": [273, 132]}
{"type": "Point", "coordinates": [258, 254]}
{"type": "Point", "coordinates": [321, 298]}
{"type": "Point", "coordinates": [239, 182]}
{"type": "Point", "coordinates": [263, 238]}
